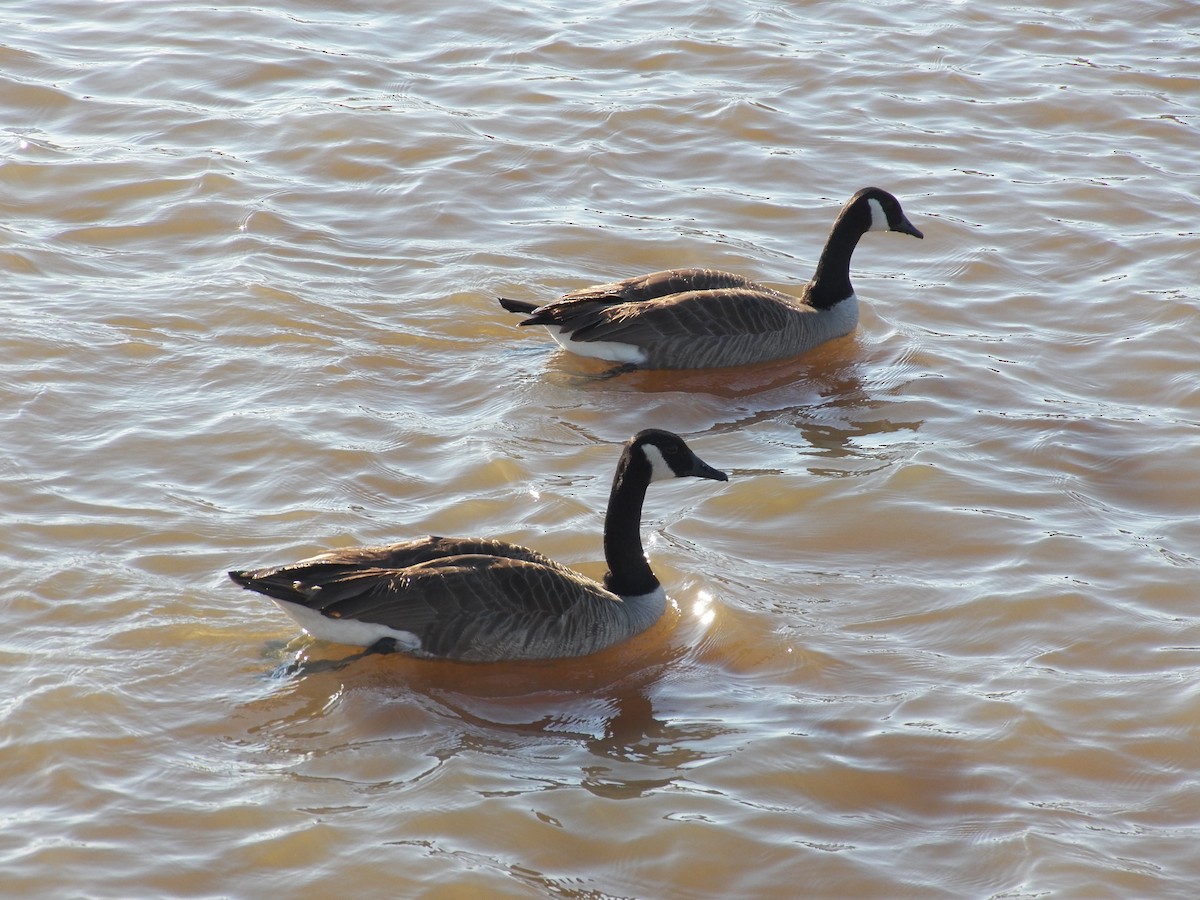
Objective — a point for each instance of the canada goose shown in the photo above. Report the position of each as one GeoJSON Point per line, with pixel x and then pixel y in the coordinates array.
{"type": "Point", "coordinates": [705, 318]}
{"type": "Point", "coordinates": [485, 600]}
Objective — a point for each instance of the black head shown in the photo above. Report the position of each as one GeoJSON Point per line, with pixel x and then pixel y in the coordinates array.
{"type": "Point", "coordinates": [669, 457]}
{"type": "Point", "coordinates": [880, 211]}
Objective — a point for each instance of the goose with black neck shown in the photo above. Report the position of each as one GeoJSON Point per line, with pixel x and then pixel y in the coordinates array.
{"type": "Point", "coordinates": [706, 318]}
{"type": "Point", "coordinates": [481, 600]}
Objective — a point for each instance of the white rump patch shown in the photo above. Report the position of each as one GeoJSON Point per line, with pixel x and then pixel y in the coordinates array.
{"type": "Point", "coordinates": [346, 631]}
{"type": "Point", "coordinates": [613, 351]}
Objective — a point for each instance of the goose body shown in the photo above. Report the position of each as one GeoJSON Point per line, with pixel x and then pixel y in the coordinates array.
{"type": "Point", "coordinates": [487, 600]}
{"type": "Point", "coordinates": [706, 318]}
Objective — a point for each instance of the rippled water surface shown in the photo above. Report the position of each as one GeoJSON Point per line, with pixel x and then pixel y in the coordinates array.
{"type": "Point", "coordinates": [937, 637]}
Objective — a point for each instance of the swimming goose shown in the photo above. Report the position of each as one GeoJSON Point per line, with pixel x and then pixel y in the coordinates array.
{"type": "Point", "coordinates": [704, 318]}
{"type": "Point", "coordinates": [486, 600]}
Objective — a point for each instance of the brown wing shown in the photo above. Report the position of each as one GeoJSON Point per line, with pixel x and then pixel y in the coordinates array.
{"type": "Point", "coordinates": [469, 606]}
{"type": "Point", "coordinates": [583, 308]}
{"type": "Point", "coordinates": [295, 582]}
{"type": "Point", "coordinates": [692, 315]}
{"type": "Point", "coordinates": [662, 284]}
{"type": "Point", "coordinates": [412, 553]}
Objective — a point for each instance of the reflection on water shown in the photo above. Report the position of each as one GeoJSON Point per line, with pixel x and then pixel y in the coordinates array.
{"type": "Point", "coordinates": [443, 714]}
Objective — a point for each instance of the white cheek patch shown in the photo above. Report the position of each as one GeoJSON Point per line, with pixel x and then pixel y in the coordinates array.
{"type": "Point", "coordinates": [658, 464]}
{"type": "Point", "coordinates": [879, 219]}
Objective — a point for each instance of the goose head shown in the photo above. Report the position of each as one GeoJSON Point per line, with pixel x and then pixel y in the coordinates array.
{"type": "Point", "coordinates": [878, 210]}
{"type": "Point", "coordinates": [650, 455]}
{"type": "Point", "coordinates": [665, 455]}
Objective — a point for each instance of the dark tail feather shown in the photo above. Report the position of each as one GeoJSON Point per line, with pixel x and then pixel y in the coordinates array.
{"type": "Point", "coordinates": [263, 584]}
{"type": "Point", "coordinates": [242, 577]}
{"type": "Point", "coordinates": [517, 306]}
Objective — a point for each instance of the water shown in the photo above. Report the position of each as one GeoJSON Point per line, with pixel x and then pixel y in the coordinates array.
{"type": "Point", "coordinates": [936, 638]}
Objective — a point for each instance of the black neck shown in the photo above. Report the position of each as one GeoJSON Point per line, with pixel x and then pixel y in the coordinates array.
{"type": "Point", "coordinates": [831, 283]}
{"type": "Point", "coordinates": [629, 574]}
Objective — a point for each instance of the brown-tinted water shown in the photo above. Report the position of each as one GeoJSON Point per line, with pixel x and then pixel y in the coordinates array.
{"type": "Point", "coordinates": [937, 637]}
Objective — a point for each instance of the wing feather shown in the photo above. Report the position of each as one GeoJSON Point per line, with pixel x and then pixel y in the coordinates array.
{"type": "Point", "coordinates": [694, 314]}
{"type": "Point", "coordinates": [505, 602]}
